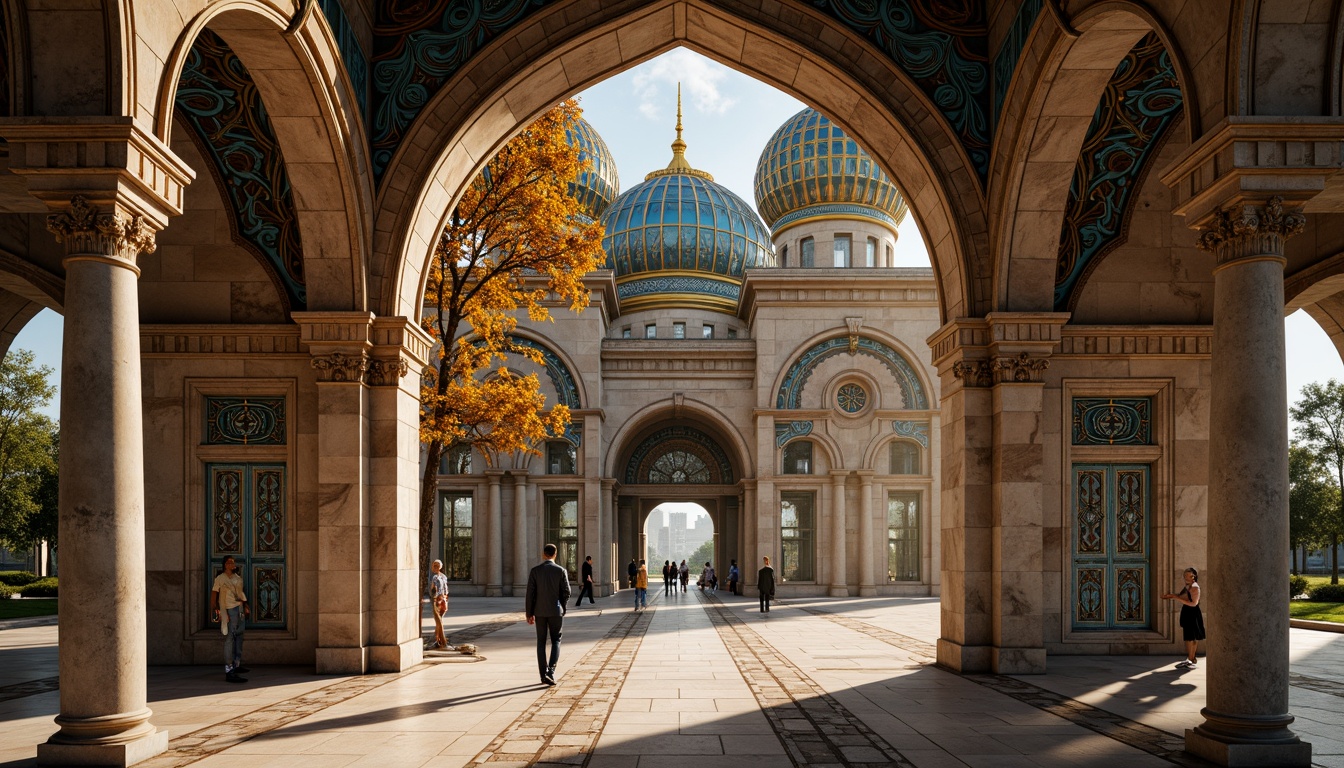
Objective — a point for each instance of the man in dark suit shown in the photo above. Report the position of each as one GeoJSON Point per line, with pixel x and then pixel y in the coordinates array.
{"type": "Point", "coordinates": [586, 580]}
{"type": "Point", "coordinates": [547, 595]}
{"type": "Point", "coordinates": [765, 579]}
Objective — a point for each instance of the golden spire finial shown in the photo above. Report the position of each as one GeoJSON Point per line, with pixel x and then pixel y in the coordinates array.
{"type": "Point", "coordinates": [679, 164]}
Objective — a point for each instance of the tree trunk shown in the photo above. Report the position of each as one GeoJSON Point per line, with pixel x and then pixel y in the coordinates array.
{"type": "Point", "coordinates": [1334, 558]}
{"type": "Point", "coordinates": [429, 487]}
{"type": "Point", "coordinates": [1294, 570]}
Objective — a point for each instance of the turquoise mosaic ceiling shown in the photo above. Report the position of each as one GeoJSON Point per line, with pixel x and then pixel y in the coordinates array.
{"type": "Point", "coordinates": [219, 100]}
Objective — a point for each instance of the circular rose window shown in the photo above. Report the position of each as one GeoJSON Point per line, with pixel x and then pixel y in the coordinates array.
{"type": "Point", "coordinates": [851, 398]}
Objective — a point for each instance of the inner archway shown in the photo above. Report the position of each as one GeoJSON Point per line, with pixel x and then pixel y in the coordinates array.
{"type": "Point", "coordinates": [677, 534]}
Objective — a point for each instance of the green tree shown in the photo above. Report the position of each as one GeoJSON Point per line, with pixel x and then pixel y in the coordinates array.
{"type": "Point", "coordinates": [1312, 499]}
{"type": "Point", "coordinates": [1320, 426]}
{"type": "Point", "coordinates": [703, 554]}
{"type": "Point", "coordinates": [28, 451]}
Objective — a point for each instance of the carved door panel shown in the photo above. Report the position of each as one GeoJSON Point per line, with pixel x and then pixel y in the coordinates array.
{"type": "Point", "coordinates": [1110, 546]}
{"type": "Point", "coordinates": [246, 517]}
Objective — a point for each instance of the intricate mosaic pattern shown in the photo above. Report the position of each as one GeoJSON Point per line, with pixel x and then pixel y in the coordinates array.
{"type": "Point", "coordinates": [1140, 103]}
{"type": "Point", "coordinates": [810, 164]}
{"type": "Point", "coordinates": [914, 430]}
{"type": "Point", "coordinates": [219, 100]}
{"type": "Point", "coordinates": [245, 421]}
{"type": "Point", "coordinates": [679, 285]}
{"type": "Point", "coordinates": [1131, 522]}
{"type": "Point", "coordinates": [574, 432]}
{"type": "Point", "coordinates": [1090, 512]}
{"type": "Point", "coordinates": [268, 595]}
{"type": "Point", "coordinates": [791, 390]}
{"type": "Point", "coordinates": [1005, 61]}
{"type": "Point", "coordinates": [268, 507]}
{"type": "Point", "coordinates": [598, 186]}
{"type": "Point", "coordinates": [1090, 591]}
{"type": "Point", "coordinates": [1112, 421]}
{"type": "Point", "coordinates": [226, 516]}
{"type": "Point", "coordinates": [851, 398]}
{"type": "Point", "coordinates": [356, 61]}
{"type": "Point", "coordinates": [685, 439]}
{"type": "Point", "coordinates": [834, 210]}
{"type": "Point", "coordinates": [1130, 603]}
{"type": "Point", "coordinates": [942, 46]}
{"type": "Point", "coordinates": [786, 431]}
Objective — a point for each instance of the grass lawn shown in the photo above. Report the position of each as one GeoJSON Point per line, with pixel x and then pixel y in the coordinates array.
{"type": "Point", "coordinates": [19, 609]}
{"type": "Point", "coordinates": [1305, 609]}
{"type": "Point", "coordinates": [1318, 580]}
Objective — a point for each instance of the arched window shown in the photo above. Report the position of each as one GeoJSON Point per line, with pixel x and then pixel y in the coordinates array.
{"type": "Point", "coordinates": [677, 466]}
{"type": "Point", "coordinates": [561, 458]}
{"type": "Point", "coordinates": [783, 255]}
{"type": "Point", "coordinates": [808, 247]}
{"type": "Point", "coordinates": [456, 460]}
{"type": "Point", "coordinates": [870, 255]}
{"type": "Point", "coordinates": [680, 454]}
{"type": "Point", "coordinates": [798, 458]}
{"type": "Point", "coordinates": [905, 458]}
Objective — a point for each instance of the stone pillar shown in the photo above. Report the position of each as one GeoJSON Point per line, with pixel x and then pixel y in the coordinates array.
{"type": "Point", "coordinates": [1246, 715]}
{"type": "Point", "coordinates": [494, 545]}
{"type": "Point", "coordinates": [839, 505]}
{"type": "Point", "coordinates": [521, 551]}
{"type": "Point", "coordinates": [103, 716]}
{"type": "Point", "coordinates": [604, 561]}
{"type": "Point", "coordinates": [399, 347]}
{"type": "Point", "coordinates": [339, 345]}
{"type": "Point", "coordinates": [866, 545]}
{"type": "Point", "coordinates": [751, 553]}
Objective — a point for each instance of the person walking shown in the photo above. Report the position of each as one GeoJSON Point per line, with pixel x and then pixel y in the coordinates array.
{"type": "Point", "coordinates": [586, 580]}
{"type": "Point", "coordinates": [765, 581]}
{"type": "Point", "coordinates": [707, 578]}
{"type": "Point", "coordinates": [642, 586]}
{"type": "Point", "coordinates": [733, 575]}
{"type": "Point", "coordinates": [685, 574]}
{"type": "Point", "coordinates": [438, 600]}
{"type": "Point", "coordinates": [229, 603]}
{"type": "Point", "coordinates": [1192, 616]}
{"type": "Point", "coordinates": [630, 571]}
{"type": "Point", "coordinates": [547, 596]}
{"type": "Point", "coordinates": [669, 576]}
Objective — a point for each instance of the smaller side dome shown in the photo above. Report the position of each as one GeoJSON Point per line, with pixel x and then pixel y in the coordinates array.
{"type": "Point", "coordinates": [812, 169]}
{"type": "Point", "coordinates": [598, 186]}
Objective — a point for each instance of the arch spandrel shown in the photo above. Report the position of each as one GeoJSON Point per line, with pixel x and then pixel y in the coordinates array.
{"type": "Point", "coordinates": [489, 98]}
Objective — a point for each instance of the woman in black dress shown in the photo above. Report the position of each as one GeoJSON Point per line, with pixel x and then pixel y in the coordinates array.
{"type": "Point", "coordinates": [1192, 618]}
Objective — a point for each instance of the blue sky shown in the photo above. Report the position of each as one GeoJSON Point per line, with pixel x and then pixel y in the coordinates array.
{"type": "Point", "coordinates": [728, 118]}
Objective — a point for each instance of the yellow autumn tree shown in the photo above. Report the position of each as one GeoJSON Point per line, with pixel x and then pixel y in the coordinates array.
{"type": "Point", "coordinates": [517, 238]}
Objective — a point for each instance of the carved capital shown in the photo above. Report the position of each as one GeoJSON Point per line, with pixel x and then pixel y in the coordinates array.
{"type": "Point", "coordinates": [973, 373]}
{"type": "Point", "coordinates": [1021, 369]}
{"type": "Point", "coordinates": [339, 366]}
{"type": "Point", "coordinates": [85, 231]}
{"type": "Point", "coordinates": [1249, 230]}
{"type": "Point", "coordinates": [387, 373]}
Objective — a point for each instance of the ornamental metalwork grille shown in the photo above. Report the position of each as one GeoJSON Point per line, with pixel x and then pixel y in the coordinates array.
{"type": "Point", "coordinates": [679, 454]}
{"type": "Point", "coordinates": [246, 517]}
{"type": "Point", "coordinates": [905, 458]}
{"type": "Point", "coordinates": [851, 398]}
{"type": "Point", "coordinates": [455, 512]}
{"type": "Point", "coordinates": [562, 529]}
{"type": "Point", "coordinates": [1110, 543]}
{"type": "Point", "coordinates": [797, 524]}
{"type": "Point", "coordinates": [903, 550]}
{"type": "Point", "coordinates": [245, 421]}
{"type": "Point", "coordinates": [1112, 421]}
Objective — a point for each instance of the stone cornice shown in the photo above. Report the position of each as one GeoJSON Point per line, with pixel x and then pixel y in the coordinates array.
{"type": "Point", "coordinates": [708, 357]}
{"type": "Point", "coordinates": [108, 160]}
{"type": "Point", "coordinates": [1000, 347]}
{"type": "Point", "coordinates": [1250, 158]}
{"type": "Point", "coordinates": [855, 287]}
{"type": "Point", "coordinates": [339, 344]}
{"type": "Point", "coordinates": [399, 346]}
{"type": "Point", "coordinates": [197, 340]}
{"type": "Point", "coordinates": [1137, 341]}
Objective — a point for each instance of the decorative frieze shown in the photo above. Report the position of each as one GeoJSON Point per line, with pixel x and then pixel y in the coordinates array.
{"type": "Point", "coordinates": [340, 367]}
{"type": "Point", "coordinates": [85, 231]}
{"type": "Point", "coordinates": [1248, 230]}
{"type": "Point", "coordinates": [1019, 370]}
{"type": "Point", "coordinates": [788, 430]}
{"type": "Point", "coordinates": [1128, 341]}
{"type": "Point", "coordinates": [219, 340]}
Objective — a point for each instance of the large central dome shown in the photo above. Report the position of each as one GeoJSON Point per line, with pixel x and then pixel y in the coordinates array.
{"type": "Point", "coordinates": [680, 240]}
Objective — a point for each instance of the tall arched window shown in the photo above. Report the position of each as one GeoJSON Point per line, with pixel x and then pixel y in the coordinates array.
{"type": "Point", "coordinates": [678, 466]}
{"type": "Point", "coordinates": [798, 458]}
{"type": "Point", "coordinates": [905, 458]}
{"type": "Point", "coordinates": [808, 246]}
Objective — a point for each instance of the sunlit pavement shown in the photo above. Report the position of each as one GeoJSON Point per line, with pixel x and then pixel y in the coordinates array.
{"type": "Point", "coordinates": [696, 679]}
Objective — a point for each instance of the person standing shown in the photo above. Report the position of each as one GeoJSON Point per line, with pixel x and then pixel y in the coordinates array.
{"type": "Point", "coordinates": [765, 581]}
{"type": "Point", "coordinates": [547, 596]}
{"type": "Point", "coordinates": [1192, 616]}
{"type": "Point", "coordinates": [630, 571]}
{"type": "Point", "coordinates": [669, 571]}
{"type": "Point", "coordinates": [733, 575]}
{"type": "Point", "coordinates": [642, 586]}
{"type": "Point", "coordinates": [706, 580]}
{"type": "Point", "coordinates": [438, 598]}
{"type": "Point", "coordinates": [586, 579]}
{"type": "Point", "coordinates": [229, 603]}
{"type": "Point", "coordinates": [685, 574]}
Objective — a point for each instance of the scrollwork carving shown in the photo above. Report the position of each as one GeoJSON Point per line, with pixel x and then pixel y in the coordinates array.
{"type": "Point", "coordinates": [1023, 368]}
{"type": "Point", "coordinates": [1251, 230]}
{"type": "Point", "coordinates": [973, 373]}
{"type": "Point", "coordinates": [85, 231]}
{"type": "Point", "coordinates": [387, 373]}
{"type": "Point", "coordinates": [339, 366]}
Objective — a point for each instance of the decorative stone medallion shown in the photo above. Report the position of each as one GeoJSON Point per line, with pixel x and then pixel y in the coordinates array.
{"type": "Point", "coordinates": [1112, 421]}
{"type": "Point", "coordinates": [244, 421]}
{"type": "Point", "coordinates": [851, 398]}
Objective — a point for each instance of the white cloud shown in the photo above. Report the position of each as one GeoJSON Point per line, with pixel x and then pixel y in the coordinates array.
{"type": "Point", "coordinates": [656, 85]}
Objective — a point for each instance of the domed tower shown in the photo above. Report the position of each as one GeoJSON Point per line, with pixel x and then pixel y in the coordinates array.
{"type": "Point", "coordinates": [599, 185]}
{"type": "Point", "coordinates": [678, 240]}
{"type": "Point", "coordinates": [827, 202]}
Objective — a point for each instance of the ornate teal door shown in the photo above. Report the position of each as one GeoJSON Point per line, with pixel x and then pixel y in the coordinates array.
{"type": "Point", "coordinates": [246, 518]}
{"type": "Point", "coordinates": [1110, 546]}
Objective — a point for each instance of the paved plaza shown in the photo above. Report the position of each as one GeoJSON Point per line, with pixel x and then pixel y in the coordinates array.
{"type": "Point", "coordinates": [699, 680]}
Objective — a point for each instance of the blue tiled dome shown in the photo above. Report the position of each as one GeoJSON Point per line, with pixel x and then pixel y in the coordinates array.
{"type": "Point", "coordinates": [811, 169]}
{"type": "Point", "coordinates": [600, 184]}
{"type": "Point", "coordinates": [678, 239]}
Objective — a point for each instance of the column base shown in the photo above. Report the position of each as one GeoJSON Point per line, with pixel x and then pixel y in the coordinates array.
{"type": "Point", "coordinates": [839, 591]}
{"type": "Point", "coordinates": [494, 590]}
{"type": "Point", "coordinates": [867, 591]}
{"type": "Point", "coordinates": [519, 590]}
{"type": "Point", "coordinates": [963, 658]}
{"type": "Point", "coordinates": [395, 658]}
{"type": "Point", "coordinates": [1018, 661]}
{"type": "Point", "coordinates": [128, 753]}
{"type": "Point", "coordinates": [342, 661]}
{"type": "Point", "coordinates": [1292, 754]}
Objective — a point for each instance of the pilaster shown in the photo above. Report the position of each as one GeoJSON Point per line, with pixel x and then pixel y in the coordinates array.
{"type": "Point", "coordinates": [839, 515]}
{"type": "Point", "coordinates": [867, 587]}
{"type": "Point", "coordinates": [494, 545]}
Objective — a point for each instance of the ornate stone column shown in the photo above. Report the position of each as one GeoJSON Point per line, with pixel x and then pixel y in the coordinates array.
{"type": "Point", "coordinates": [104, 718]}
{"type": "Point", "coordinates": [839, 512]}
{"type": "Point", "coordinates": [494, 562]}
{"type": "Point", "coordinates": [339, 345]}
{"type": "Point", "coordinates": [867, 588]}
{"type": "Point", "coordinates": [520, 531]}
{"type": "Point", "coordinates": [1246, 715]}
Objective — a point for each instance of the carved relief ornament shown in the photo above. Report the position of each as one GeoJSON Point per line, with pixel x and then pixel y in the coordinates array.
{"type": "Point", "coordinates": [387, 373]}
{"type": "Point", "coordinates": [973, 373]}
{"type": "Point", "coordinates": [1020, 369]}
{"type": "Point", "coordinates": [114, 235]}
{"type": "Point", "coordinates": [339, 366]}
{"type": "Point", "coordinates": [1247, 231]}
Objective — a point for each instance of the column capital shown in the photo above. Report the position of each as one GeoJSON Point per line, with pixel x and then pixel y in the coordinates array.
{"type": "Point", "coordinates": [112, 234]}
{"type": "Point", "coordinates": [1001, 347]}
{"type": "Point", "coordinates": [339, 343]}
{"type": "Point", "coordinates": [1251, 230]}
